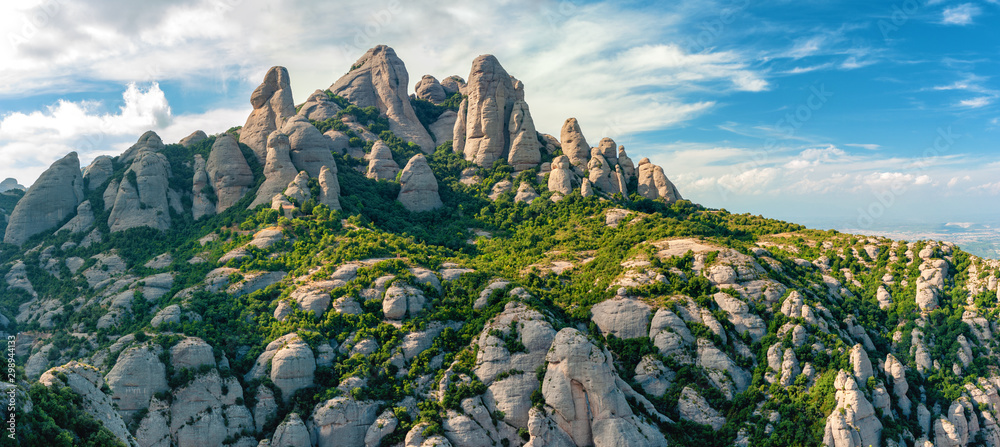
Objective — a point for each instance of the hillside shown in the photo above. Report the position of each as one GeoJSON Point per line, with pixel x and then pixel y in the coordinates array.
{"type": "Point", "coordinates": [370, 269]}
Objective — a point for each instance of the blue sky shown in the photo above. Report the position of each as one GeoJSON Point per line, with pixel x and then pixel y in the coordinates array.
{"type": "Point", "coordinates": [852, 114]}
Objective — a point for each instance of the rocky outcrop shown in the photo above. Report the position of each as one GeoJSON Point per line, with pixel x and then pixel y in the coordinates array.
{"type": "Point", "coordinates": [622, 317]}
{"type": "Point", "coordinates": [50, 200]}
{"type": "Point", "coordinates": [83, 220]}
{"type": "Point", "coordinates": [142, 199]}
{"type": "Point", "coordinates": [494, 122]}
{"type": "Point", "coordinates": [291, 433]}
{"type": "Point", "coordinates": [443, 128]}
{"type": "Point", "coordinates": [319, 107]}
{"type": "Point", "coordinates": [342, 421]}
{"type": "Point", "coordinates": [98, 172]}
{"type": "Point", "coordinates": [298, 189]}
{"type": "Point", "coordinates": [379, 79]}
{"type": "Point", "coordinates": [148, 141]}
{"type": "Point", "coordinates": [599, 172]}
{"type": "Point", "coordinates": [329, 187]}
{"type": "Point", "coordinates": [278, 170]}
{"type": "Point", "coordinates": [137, 375]}
{"type": "Point", "coordinates": [853, 422]}
{"type": "Point", "coordinates": [895, 371]}
{"type": "Point", "coordinates": [429, 89]}
{"type": "Point", "coordinates": [272, 104]}
{"type": "Point", "coordinates": [310, 150]}
{"type": "Point", "coordinates": [381, 165]}
{"type": "Point", "coordinates": [86, 381]}
{"type": "Point", "coordinates": [228, 172]}
{"type": "Point", "coordinates": [401, 300]}
{"type": "Point", "coordinates": [196, 137]}
{"type": "Point", "coordinates": [861, 364]}
{"type": "Point", "coordinates": [653, 183]}
{"type": "Point", "coordinates": [202, 204]}
{"type": "Point", "coordinates": [453, 84]}
{"type": "Point", "coordinates": [561, 177]}
{"type": "Point", "coordinates": [692, 407]}
{"type": "Point", "coordinates": [585, 398]}
{"type": "Point", "coordinates": [418, 188]}
{"type": "Point", "coordinates": [574, 145]}
{"type": "Point", "coordinates": [292, 367]}
{"type": "Point", "coordinates": [525, 193]}
{"type": "Point", "coordinates": [10, 183]}
{"type": "Point", "coordinates": [628, 168]}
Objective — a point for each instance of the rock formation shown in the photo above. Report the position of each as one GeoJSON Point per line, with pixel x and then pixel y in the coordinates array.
{"type": "Point", "coordinates": [329, 187]}
{"type": "Point", "coordinates": [228, 172]}
{"type": "Point", "coordinates": [628, 168]}
{"type": "Point", "coordinates": [381, 165]}
{"type": "Point", "coordinates": [142, 198]}
{"type": "Point", "coordinates": [272, 104]}
{"type": "Point", "coordinates": [202, 204]}
{"type": "Point", "coordinates": [319, 107]}
{"type": "Point", "coordinates": [10, 183]}
{"type": "Point", "coordinates": [418, 187]}
{"type": "Point", "coordinates": [278, 169]}
{"type": "Point", "coordinates": [429, 89]}
{"type": "Point", "coordinates": [195, 138]}
{"type": "Point", "coordinates": [298, 189]}
{"type": "Point", "coordinates": [147, 141]}
{"type": "Point", "coordinates": [453, 84]}
{"type": "Point", "coordinates": [853, 422]}
{"type": "Point", "coordinates": [310, 150]}
{"type": "Point", "coordinates": [494, 122]}
{"type": "Point", "coordinates": [379, 79]}
{"type": "Point", "coordinates": [98, 172]}
{"type": "Point", "coordinates": [49, 201]}
{"type": "Point", "coordinates": [574, 145]}
{"type": "Point", "coordinates": [561, 177]}
{"type": "Point", "coordinates": [83, 220]}
{"type": "Point", "coordinates": [653, 183]}
{"type": "Point", "coordinates": [86, 381]}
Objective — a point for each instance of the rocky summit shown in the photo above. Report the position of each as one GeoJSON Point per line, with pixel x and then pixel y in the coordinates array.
{"type": "Point", "coordinates": [369, 268]}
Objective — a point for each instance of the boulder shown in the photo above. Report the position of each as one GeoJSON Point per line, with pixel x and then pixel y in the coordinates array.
{"type": "Point", "coordinates": [342, 421]}
{"type": "Point", "coordinates": [381, 165]}
{"type": "Point", "coordinates": [50, 200]}
{"type": "Point", "coordinates": [586, 188]}
{"type": "Point", "coordinates": [525, 193]}
{"type": "Point", "coordinates": [292, 367]}
{"type": "Point", "coordinates": [692, 407]}
{"type": "Point", "coordinates": [137, 375]}
{"type": "Point", "coordinates": [599, 173]}
{"type": "Point", "coordinates": [278, 170]}
{"type": "Point", "coordinates": [83, 220]}
{"type": "Point", "coordinates": [291, 433]}
{"type": "Point", "coordinates": [379, 79]}
{"type": "Point", "coordinates": [228, 172]}
{"type": "Point", "coordinates": [574, 145]}
{"type": "Point", "coordinates": [653, 183]}
{"type": "Point", "coordinates": [202, 204]}
{"type": "Point", "coordinates": [142, 199]}
{"type": "Point", "coordinates": [310, 150]}
{"type": "Point", "coordinates": [298, 189]}
{"type": "Point", "coordinates": [401, 300]}
{"type": "Point", "coordinates": [193, 139]}
{"type": "Point", "coordinates": [609, 150]}
{"type": "Point", "coordinates": [429, 89]}
{"type": "Point", "coordinates": [319, 107]}
{"type": "Point", "coordinates": [861, 364]}
{"type": "Point", "coordinates": [453, 84]}
{"type": "Point", "coordinates": [622, 317]}
{"type": "Point", "coordinates": [148, 141]}
{"type": "Point", "coordinates": [561, 177]}
{"type": "Point", "coordinates": [329, 187]}
{"type": "Point", "coordinates": [653, 376]}
{"type": "Point", "coordinates": [98, 172]}
{"type": "Point", "coordinates": [272, 104]}
{"type": "Point", "coordinates": [443, 128]}
{"type": "Point", "coordinates": [418, 188]}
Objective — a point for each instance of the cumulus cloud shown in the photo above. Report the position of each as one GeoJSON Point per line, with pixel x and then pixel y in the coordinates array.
{"type": "Point", "coordinates": [960, 15]}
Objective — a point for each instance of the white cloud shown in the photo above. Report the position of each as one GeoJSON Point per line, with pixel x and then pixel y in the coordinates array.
{"type": "Point", "coordinates": [960, 15]}
{"type": "Point", "coordinates": [869, 146]}
{"type": "Point", "coordinates": [29, 142]}
{"type": "Point", "coordinates": [975, 103]}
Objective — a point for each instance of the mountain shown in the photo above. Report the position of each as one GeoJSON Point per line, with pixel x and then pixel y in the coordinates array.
{"type": "Point", "coordinates": [370, 268]}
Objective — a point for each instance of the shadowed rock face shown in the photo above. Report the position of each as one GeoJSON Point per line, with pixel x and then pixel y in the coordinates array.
{"type": "Point", "coordinates": [278, 169]}
{"type": "Point", "coordinates": [379, 79]}
{"type": "Point", "coordinates": [143, 203]}
{"type": "Point", "coordinates": [310, 150]}
{"type": "Point", "coordinates": [430, 89]}
{"type": "Point", "coordinates": [418, 187]}
{"type": "Point", "coordinates": [494, 122]}
{"type": "Point", "coordinates": [228, 172]}
{"type": "Point", "coordinates": [53, 198]}
{"type": "Point", "coordinates": [272, 104]}
{"type": "Point", "coordinates": [148, 141]}
{"type": "Point", "coordinates": [98, 172]}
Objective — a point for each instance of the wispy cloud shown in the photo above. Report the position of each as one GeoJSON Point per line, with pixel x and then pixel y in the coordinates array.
{"type": "Point", "coordinates": [963, 14]}
{"type": "Point", "coordinates": [975, 103]}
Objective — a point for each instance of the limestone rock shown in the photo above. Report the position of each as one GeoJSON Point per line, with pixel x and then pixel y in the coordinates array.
{"type": "Point", "coordinates": [202, 204]}
{"type": "Point", "coordinates": [310, 150]}
{"type": "Point", "coordinates": [278, 170]}
{"type": "Point", "coordinates": [319, 107]}
{"type": "Point", "coordinates": [379, 79]}
{"type": "Point", "coordinates": [98, 172]}
{"type": "Point", "coordinates": [722, 370]}
{"type": "Point", "coordinates": [50, 200]}
{"type": "Point", "coordinates": [418, 187]}
{"type": "Point", "coordinates": [137, 375]}
{"type": "Point", "coordinates": [561, 177]}
{"type": "Point", "coordinates": [443, 128]}
{"type": "Point", "coordinates": [329, 187]}
{"type": "Point", "coordinates": [383, 426]}
{"type": "Point", "coordinates": [853, 421]}
{"type": "Point", "coordinates": [599, 173]}
{"type": "Point", "coordinates": [493, 121]}
{"type": "Point", "coordinates": [453, 84]}
{"type": "Point", "coordinates": [654, 378]}
{"type": "Point", "coordinates": [145, 202]}
{"type": "Point", "coordinates": [622, 317]}
{"type": "Point", "coordinates": [291, 433]}
{"type": "Point", "coordinates": [574, 145]}
{"type": "Point", "coordinates": [402, 300]}
{"type": "Point", "coordinates": [429, 89]}
{"type": "Point", "coordinates": [228, 172]}
{"type": "Point", "coordinates": [381, 166]}
{"type": "Point", "coordinates": [298, 189]}
{"type": "Point", "coordinates": [292, 367]}
{"type": "Point", "coordinates": [83, 220]}
{"type": "Point", "coordinates": [653, 183]}
{"type": "Point", "coordinates": [628, 168]}
{"type": "Point", "coordinates": [10, 183]}
{"type": "Point", "coordinates": [588, 401]}
{"type": "Point", "coordinates": [692, 407]}
{"type": "Point", "coordinates": [883, 297]}
{"type": "Point", "coordinates": [169, 314]}
{"type": "Point", "coordinates": [195, 138]}
{"type": "Point", "coordinates": [191, 353]}
{"type": "Point", "coordinates": [861, 364]}
{"type": "Point", "coordinates": [342, 421]}
{"type": "Point", "coordinates": [587, 188]}
{"type": "Point", "coordinates": [204, 413]}
{"type": "Point", "coordinates": [272, 104]}
{"type": "Point", "coordinates": [148, 141]}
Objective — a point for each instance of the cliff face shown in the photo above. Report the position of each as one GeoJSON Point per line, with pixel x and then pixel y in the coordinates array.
{"type": "Point", "coordinates": [501, 294]}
